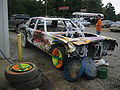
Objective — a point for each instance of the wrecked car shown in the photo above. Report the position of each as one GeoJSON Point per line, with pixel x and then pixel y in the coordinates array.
{"type": "Point", "coordinates": [49, 35]}
{"type": "Point", "coordinates": [115, 26]}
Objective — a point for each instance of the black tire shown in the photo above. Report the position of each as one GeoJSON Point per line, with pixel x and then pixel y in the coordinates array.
{"type": "Point", "coordinates": [25, 43]}
{"type": "Point", "coordinates": [14, 76]}
{"type": "Point", "coordinates": [64, 57]}
{"type": "Point", "coordinates": [73, 69]}
{"type": "Point", "coordinates": [18, 30]}
{"type": "Point", "coordinates": [29, 85]}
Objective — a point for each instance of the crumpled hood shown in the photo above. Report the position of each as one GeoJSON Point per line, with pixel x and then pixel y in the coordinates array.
{"type": "Point", "coordinates": [85, 40]}
{"type": "Point", "coordinates": [77, 41]}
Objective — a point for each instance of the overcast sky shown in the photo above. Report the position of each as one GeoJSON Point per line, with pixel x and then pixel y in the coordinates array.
{"type": "Point", "coordinates": [115, 3]}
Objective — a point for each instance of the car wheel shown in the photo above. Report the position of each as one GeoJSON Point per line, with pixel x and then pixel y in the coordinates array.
{"type": "Point", "coordinates": [25, 43]}
{"type": "Point", "coordinates": [18, 30]}
{"type": "Point", "coordinates": [21, 72]}
{"type": "Point", "coordinates": [59, 57]}
{"type": "Point", "coordinates": [29, 85]}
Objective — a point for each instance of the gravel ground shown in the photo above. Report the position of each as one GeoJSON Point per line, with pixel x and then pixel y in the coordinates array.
{"type": "Point", "coordinates": [43, 61]}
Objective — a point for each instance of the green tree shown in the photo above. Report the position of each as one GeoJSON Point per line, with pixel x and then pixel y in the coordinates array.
{"type": "Point", "coordinates": [117, 18]}
{"type": "Point", "coordinates": [33, 7]}
{"type": "Point", "coordinates": [109, 12]}
{"type": "Point", "coordinates": [14, 6]}
{"type": "Point", "coordinates": [36, 8]}
{"type": "Point", "coordinates": [94, 6]}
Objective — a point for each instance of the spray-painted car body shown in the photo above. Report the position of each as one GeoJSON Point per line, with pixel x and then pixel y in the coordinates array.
{"type": "Point", "coordinates": [46, 33]}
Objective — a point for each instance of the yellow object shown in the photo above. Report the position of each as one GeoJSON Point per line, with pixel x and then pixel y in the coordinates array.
{"type": "Point", "coordinates": [19, 47]}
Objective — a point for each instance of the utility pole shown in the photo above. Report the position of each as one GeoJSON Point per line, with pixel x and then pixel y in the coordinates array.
{"type": "Point", "coordinates": [45, 2]}
{"type": "Point", "coordinates": [46, 6]}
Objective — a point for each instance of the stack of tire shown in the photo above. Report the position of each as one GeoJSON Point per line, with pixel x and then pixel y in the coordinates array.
{"type": "Point", "coordinates": [24, 78]}
{"type": "Point", "coordinates": [77, 67]}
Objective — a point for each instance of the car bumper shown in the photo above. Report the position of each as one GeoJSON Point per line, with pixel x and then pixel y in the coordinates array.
{"type": "Point", "coordinates": [115, 29]}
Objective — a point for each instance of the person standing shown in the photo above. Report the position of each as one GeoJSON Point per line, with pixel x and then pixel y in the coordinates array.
{"type": "Point", "coordinates": [99, 25]}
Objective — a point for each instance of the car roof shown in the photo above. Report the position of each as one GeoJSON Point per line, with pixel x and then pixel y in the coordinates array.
{"type": "Point", "coordinates": [20, 14]}
{"type": "Point", "coordinates": [118, 21]}
{"type": "Point", "coordinates": [47, 18]}
{"type": "Point", "coordinates": [106, 20]}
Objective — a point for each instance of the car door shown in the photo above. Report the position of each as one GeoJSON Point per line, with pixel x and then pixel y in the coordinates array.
{"type": "Point", "coordinates": [39, 36]}
{"type": "Point", "coordinates": [30, 30]}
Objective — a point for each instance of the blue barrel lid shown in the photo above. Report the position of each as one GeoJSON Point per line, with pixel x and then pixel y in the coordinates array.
{"type": "Point", "coordinates": [90, 68]}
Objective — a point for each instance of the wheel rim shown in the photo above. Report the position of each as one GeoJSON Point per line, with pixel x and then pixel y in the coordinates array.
{"type": "Point", "coordinates": [22, 67]}
{"type": "Point", "coordinates": [23, 38]}
{"type": "Point", "coordinates": [57, 58]}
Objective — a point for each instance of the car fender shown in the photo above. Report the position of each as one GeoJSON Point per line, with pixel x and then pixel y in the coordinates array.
{"type": "Point", "coordinates": [57, 43]}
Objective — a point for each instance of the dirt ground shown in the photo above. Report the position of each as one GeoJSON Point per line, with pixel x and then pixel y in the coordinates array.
{"type": "Point", "coordinates": [43, 61]}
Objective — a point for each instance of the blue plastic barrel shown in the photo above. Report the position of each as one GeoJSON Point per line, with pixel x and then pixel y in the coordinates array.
{"type": "Point", "coordinates": [90, 71]}
{"type": "Point", "coordinates": [73, 69]}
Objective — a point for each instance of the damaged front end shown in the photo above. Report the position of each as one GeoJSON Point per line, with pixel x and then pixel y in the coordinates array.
{"type": "Point", "coordinates": [95, 49]}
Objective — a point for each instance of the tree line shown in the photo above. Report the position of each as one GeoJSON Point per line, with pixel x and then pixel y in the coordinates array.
{"type": "Point", "coordinates": [51, 8]}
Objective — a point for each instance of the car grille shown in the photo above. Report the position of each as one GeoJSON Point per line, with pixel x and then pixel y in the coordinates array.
{"type": "Point", "coordinates": [93, 50]}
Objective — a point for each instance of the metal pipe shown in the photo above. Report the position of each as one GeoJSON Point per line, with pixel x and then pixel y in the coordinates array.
{"type": "Point", "coordinates": [46, 6]}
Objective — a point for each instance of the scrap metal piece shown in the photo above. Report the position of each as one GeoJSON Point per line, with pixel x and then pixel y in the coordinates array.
{"type": "Point", "coordinates": [101, 62]}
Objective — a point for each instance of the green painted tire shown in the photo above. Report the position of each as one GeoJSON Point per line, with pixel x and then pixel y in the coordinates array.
{"type": "Point", "coordinates": [21, 76]}
{"type": "Point", "coordinates": [59, 57]}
